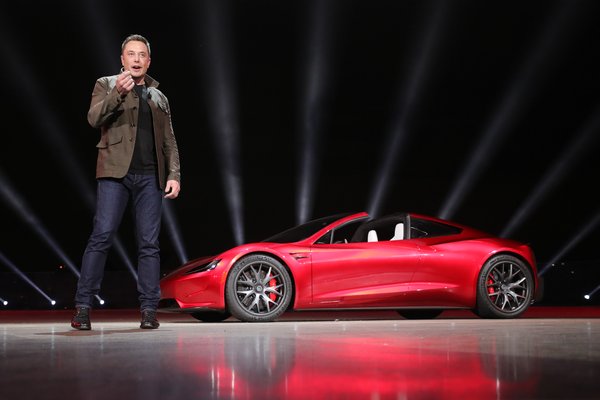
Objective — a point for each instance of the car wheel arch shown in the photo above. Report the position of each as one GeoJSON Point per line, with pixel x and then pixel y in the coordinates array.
{"type": "Point", "coordinates": [509, 253]}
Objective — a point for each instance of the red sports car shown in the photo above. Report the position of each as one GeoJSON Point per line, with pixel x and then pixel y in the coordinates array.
{"type": "Point", "coordinates": [415, 264]}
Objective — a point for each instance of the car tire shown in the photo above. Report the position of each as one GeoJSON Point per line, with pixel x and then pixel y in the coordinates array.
{"type": "Point", "coordinates": [211, 316]}
{"type": "Point", "coordinates": [258, 289]}
{"type": "Point", "coordinates": [505, 288]}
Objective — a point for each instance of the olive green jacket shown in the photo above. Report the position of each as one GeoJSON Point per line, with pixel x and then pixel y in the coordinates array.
{"type": "Point", "coordinates": [117, 117]}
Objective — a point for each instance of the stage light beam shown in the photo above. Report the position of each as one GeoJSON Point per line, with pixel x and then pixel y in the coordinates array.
{"type": "Point", "coordinates": [224, 115]}
{"type": "Point", "coordinates": [406, 104]}
{"type": "Point", "coordinates": [589, 295]}
{"type": "Point", "coordinates": [53, 134]}
{"type": "Point", "coordinates": [581, 234]}
{"type": "Point", "coordinates": [512, 105]}
{"type": "Point", "coordinates": [19, 205]}
{"type": "Point", "coordinates": [582, 143]}
{"type": "Point", "coordinates": [102, 32]}
{"type": "Point", "coordinates": [24, 277]}
{"type": "Point", "coordinates": [10, 196]}
{"type": "Point", "coordinates": [172, 227]}
{"type": "Point", "coordinates": [313, 85]}
{"type": "Point", "coordinates": [56, 139]}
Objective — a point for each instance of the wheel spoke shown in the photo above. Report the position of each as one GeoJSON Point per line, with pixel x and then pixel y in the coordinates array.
{"type": "Point", "coordinates": [518, 283]}
{"type": "Point", "coordinates": [260, 288]}
{"type": "Point", "coordinates": [507, 287]}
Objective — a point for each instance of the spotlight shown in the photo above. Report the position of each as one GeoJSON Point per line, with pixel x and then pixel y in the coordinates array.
{"type": "Point", "coordinates": [53, 302]}
{"type": "Point", "coordinates": [4, 302]}
{"type": "Point", "coordinates": [590, 294]}
{"type": "Point", "coordinates": [100, 300]}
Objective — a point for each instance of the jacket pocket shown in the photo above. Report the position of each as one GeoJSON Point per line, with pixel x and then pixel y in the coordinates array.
{"type": "Point", "coordinates": [109, 141]}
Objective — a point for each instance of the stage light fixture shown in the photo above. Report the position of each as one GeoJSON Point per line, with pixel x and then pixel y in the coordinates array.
{"type": "Point", "coordinates": [10, 196]}
{"type": "Point", "coordinates": [513, 104]}
{"type": "Point", "coordinates": [589, 295]}
{"type": "Point", "coordinates": [4, 302]}
{"type": "Point", "coordinates": [407, 101]}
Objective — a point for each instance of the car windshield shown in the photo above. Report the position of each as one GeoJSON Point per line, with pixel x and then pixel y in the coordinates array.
{"type": "Point", "coordinates": [305, 230]}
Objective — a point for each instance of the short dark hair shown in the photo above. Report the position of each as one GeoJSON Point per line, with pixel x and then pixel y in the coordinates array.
{"type": "Point", "coordinates": [138, 38]}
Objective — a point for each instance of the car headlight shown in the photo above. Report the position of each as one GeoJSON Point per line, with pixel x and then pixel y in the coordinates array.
{"type": "Point", "coordinates": [204, 267]}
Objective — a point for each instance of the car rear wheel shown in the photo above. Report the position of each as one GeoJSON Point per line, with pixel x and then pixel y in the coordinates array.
{"type": "Point", "coordinates": [211, 316]}
{"type": "Point", "coordinates": [505, 288]}
{"type": "Point", "coordinates": [259, 288]}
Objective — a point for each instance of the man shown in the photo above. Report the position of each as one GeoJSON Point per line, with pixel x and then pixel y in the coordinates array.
{"type": "Point", "coordinates": [138, 163]}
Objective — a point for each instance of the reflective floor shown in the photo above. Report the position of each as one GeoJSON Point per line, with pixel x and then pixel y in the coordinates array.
{"type": "Point", "coordinates": [551, 353]}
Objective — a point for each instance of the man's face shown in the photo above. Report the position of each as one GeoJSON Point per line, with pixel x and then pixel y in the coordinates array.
{"type": "Point", "coordinates": [136, 59]}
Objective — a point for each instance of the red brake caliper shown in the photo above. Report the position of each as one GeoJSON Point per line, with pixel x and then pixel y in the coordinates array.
{"type": "Point", "coordinates": [490, 283]}
{"type": "Point", "coordinates": [272, 284]}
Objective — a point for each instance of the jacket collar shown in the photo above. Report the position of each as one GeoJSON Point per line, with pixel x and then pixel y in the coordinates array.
{"type": "Point", "coordinates": [150, 82]}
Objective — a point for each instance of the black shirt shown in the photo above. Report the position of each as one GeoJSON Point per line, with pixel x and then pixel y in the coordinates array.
{"type": "Point", "coordinates": [144, 153]}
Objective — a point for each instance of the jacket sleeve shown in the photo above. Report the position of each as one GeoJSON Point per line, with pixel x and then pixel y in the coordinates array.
{"type": "Point", "coordinates": [106, 103]}
{"type": "Point", "coordinates": [171, 150]}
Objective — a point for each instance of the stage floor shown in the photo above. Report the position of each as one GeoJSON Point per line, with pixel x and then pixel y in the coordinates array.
{"type": "Point", "coordinates": [549, 353]}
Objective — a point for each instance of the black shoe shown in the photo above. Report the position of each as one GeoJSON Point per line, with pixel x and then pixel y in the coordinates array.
{"type": "Point", "coordinates": [81, 319]}
{"type": "Point", "coordinates": [149, 320]}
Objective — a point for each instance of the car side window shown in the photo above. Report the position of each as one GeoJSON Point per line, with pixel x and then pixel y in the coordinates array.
{"type": "Point", "coordinates": [325, 239]}
{"type": "Point", "coordinates": [341, 234]}
{"type": "Point", "coordinates": [416, 233]}
{"type": "Point", "coordinates": [421, 229]}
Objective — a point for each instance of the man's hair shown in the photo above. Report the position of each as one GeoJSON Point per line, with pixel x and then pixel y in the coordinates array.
{"type": "Point", "coordinates": [138, 38]}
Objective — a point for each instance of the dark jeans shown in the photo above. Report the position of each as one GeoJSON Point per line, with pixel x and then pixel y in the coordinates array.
{"type": "Point", "coordinates": [113, 196]}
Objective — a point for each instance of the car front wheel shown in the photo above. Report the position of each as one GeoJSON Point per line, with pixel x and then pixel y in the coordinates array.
{"type": "Point", "coordinates": [258, 289]}
{"type": "Point", "coordinates": [505, 288]}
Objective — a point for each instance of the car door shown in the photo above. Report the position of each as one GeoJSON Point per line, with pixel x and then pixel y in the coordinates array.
{"type": "Point", "coordinates": [364, 274]}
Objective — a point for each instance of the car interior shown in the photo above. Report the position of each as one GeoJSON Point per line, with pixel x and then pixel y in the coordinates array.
{"type": "Point", "coordinates": [382, 229]}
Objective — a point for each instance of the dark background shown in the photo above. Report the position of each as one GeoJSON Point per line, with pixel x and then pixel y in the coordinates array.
{"type": "Point", "coordinates": [445, 73]}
